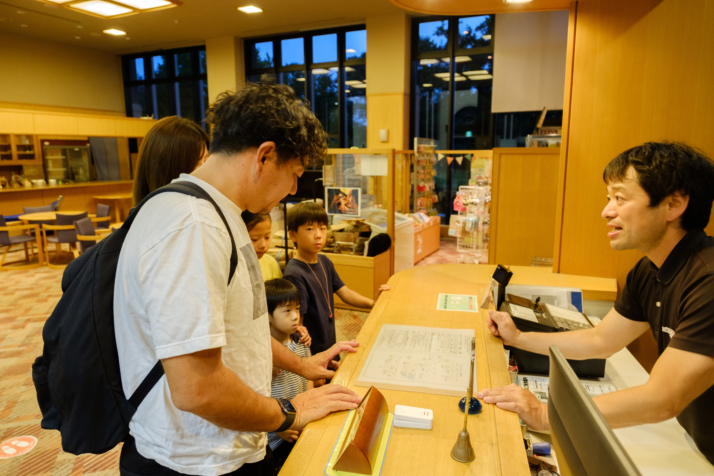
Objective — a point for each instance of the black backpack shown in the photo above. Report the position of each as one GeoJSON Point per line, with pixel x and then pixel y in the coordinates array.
{"type": "Point", "coordinates": [77, 377]}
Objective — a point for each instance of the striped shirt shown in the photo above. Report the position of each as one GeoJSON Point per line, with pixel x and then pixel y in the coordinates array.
{"type": "Point", "coordinates": [288, 385]}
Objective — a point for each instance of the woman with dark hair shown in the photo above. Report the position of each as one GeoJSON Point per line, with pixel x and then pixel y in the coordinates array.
{"type": "Point", "coordinates": [174, 146]}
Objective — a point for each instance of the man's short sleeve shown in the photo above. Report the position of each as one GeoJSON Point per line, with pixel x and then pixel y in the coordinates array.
{"type": "Point", "coordinates": [628, 304]}
{"type": "Point", "coordinates": [185, 291]}
{"type": "Point", "coordinates": [695, 328]}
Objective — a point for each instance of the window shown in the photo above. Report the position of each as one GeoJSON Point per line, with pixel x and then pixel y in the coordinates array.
{"type": "Point", "coordinates": [325, 67]}
{"type": "Point", "coordinates": [167, 83]}
{"type": "Point", "coordinates": [452, 82]}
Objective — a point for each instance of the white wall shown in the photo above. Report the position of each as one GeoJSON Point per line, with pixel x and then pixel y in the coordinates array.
{"type": "Point", "coordinates": [48, 73]}
{"type": "Point", "coordinates": [529, 61]}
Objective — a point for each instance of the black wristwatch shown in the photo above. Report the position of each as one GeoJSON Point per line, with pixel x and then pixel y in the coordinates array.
{"type": "Point", "coordinates": [289, 412]}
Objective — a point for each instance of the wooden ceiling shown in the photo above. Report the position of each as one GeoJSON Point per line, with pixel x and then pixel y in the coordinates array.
{"type": "Point", "coordinates": [478, 7]}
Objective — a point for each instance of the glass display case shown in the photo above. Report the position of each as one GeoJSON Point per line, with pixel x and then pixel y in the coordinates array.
{"type": "Point", "coordinates": [67, 161]}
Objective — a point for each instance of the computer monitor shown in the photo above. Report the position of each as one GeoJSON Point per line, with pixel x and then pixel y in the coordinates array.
{"type": "Point", "coordinates": [584, 438]}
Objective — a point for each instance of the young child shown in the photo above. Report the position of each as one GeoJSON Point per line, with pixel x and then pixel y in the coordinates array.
{"type": "Point", "coordinates": [315, 275]}
{"type": "Point", "coordinates": [260, 233]}
{"type": "Point", "coordinates": [284, 311]}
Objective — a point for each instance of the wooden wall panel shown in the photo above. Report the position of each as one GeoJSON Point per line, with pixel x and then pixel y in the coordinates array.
{"type": "Point", "coordinates": [641, 71]}
{"type": "Point", "coordinates": [525, 185]}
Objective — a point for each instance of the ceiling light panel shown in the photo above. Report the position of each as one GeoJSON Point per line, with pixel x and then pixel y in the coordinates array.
{"type": "Point", "coordinates": [103, 9]}
{"type": "Point", "coordinates": [428, 61]}
{"type": "Point", "coordinates": [114, 32]}
{"type": "Point", "coordinates": [358, 86]}
{"type": "Point", "coordinates": [59, 1]}
{"type": "Point", "coordinates": [474, 73]}
{"type": "Point", "coordinates": [145, 4]}
{"type": "Point", "coordinates": [250, 9]}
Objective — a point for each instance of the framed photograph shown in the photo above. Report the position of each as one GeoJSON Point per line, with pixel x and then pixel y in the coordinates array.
{"type": "Point", "coordinates": [342, 201]}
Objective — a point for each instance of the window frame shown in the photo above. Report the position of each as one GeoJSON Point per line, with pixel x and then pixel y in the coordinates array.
{"type": "Point", "coordinates": [451, 52]}
{"type": "Point", "coordinates": [171, 78]}
{"type": "Point", "coordinates": [308, 66]}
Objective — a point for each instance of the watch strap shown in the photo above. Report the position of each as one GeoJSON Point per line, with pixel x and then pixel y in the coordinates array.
{"type": "Point", "coordinates": [289, 417]}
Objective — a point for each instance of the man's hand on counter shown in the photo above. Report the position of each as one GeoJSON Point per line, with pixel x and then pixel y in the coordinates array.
{"type": "Point", "coordinates": [317, 403]}
{"type": "Point", "coordinates": [519, 400]}
{"type": "Point", "coordinates": [501, 325]}
{"type": "Point", "coordinates": [318, 366]}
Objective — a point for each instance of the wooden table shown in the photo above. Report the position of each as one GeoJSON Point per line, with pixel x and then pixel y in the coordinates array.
{"type": "Point", "coordinates": [117, 198]}
{"type": "Point", "coordinates": [495, 434]}
{"type": "Point", "coordinates": [46, 216]}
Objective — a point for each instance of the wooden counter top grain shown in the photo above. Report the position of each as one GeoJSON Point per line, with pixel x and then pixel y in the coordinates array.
{"type": "Point", "coordinates": [495, 434]}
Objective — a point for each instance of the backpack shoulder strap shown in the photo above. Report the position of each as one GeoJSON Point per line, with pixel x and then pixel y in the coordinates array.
{"type": "Point", "coordinates": [190, 188]}
{"type": "Point", "coordinates": [186, 188]}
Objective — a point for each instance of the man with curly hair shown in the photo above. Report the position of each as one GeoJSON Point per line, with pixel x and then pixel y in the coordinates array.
{"type": "Point", "coordinates": [210, 413]}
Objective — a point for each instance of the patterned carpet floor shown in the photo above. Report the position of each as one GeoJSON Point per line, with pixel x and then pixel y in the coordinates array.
{"type": "Point", "coordinates": [27, 298]}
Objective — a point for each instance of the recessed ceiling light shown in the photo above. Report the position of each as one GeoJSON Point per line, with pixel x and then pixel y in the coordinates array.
{"type": "Point", "coordinates": [458, 59]}
{"type": "Point", "coordinates": [466, 32]}
{"type": "Point", "coordinates": [359, 86]}
{"type": "Point", "coordinates": [115, 32]}
{"type": "Point", "coordinates": [250, 9]}
{"type": "Point", "coordinates": [428, 61]}
{"type": "Point", "coordinates": [301, 79]}
{"type": "Point", "coordinates": [486, 37]}
{"type": "Point", "coordinates": [442, 75]}
{"type": "Point", "coordinates": [352, 82]}
{"type": "Point", "coordinates": [101, 8]}
{"type": "Point", "coordinates": [427, 85]}
{"type": "Point", "coordinates": [145, 4]}
{"type": "Point", "coordinates": [320, 71]}
{"type": "Point", "coordinates": [347, 90]}
{"type": "Point", "coordinates": [469, 73]}
{"type": "Point", "coordinates": [480, 77]}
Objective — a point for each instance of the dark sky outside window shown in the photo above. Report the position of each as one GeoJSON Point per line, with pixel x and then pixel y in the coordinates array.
{"type": "Point", "coordinates": [326, 110]}
{"type": "Point", "coordinates": [263, 55]}
{"type": "Point", "coordinates": [356, 44]}
{"type": "Point", "coordinates": [292, 51]}
{"type": "Point", "coordinates": [158, 67]}
{"type": "Point", "coordinates": [433, 36]}
{"type": "Point", "coordinates": [183, 64]}
{"type": "Point", "coordinates": [296, 80]}
{"type": "Point", "coordinates": [324, 48]}
{"type": "Point", "coordinates": [472, 31]}
{"type": "Point", "coordinates": [136, 70]}
{"type": "Point", "coordinates": [202, 61]}
{"type": "Point", "coordinates": [356, 113]}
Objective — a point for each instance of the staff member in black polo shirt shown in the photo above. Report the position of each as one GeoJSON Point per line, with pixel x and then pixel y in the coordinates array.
{"type": "Point", "coordinates": [659, 201]}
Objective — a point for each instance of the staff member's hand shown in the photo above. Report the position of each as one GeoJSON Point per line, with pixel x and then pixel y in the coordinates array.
{"type": "Point", "coordinates": [501, 325]}
{"type": "Point", "coordinates": [317, 403]}
{"type": "Point", "coordinates": [519, 400]}
{"type": "Point", "coordinates": [317, 366]}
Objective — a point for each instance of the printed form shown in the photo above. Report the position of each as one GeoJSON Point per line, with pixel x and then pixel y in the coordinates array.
{"type": "Point", "coordinates": [420, 359]}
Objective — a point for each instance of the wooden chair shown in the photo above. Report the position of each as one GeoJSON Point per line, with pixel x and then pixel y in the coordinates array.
{"type": "Point", "coordinates": [86, 236]}
{"type": "Point", "coordinates": [8, 241]}
{"type": "Point", "coordinates": [103, 216]}
{"type": "Point", "coordinates": [65, 233]}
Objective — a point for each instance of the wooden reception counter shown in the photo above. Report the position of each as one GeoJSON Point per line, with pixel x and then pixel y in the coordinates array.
{"type": "Point", "coordinates": [495, 434]}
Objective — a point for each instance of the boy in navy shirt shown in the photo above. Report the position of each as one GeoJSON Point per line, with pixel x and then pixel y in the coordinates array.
{"type": "Point", "coordinates": [315, 276]}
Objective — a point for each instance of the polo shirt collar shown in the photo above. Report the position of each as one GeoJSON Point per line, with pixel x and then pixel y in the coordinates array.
{"type": "Point", "coordinates": [679, 255]}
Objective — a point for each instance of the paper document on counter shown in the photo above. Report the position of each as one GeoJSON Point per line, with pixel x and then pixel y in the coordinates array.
{"type": "Point", "coordinates": [538, 386]}
{"type": "Point", "coordinates": [419, 359]}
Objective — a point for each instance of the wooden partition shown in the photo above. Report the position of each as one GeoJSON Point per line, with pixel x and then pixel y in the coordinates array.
{"type": "Point", "coordinates": [636, 72]}
{"type": "Point", "coordinates": [523, 205]}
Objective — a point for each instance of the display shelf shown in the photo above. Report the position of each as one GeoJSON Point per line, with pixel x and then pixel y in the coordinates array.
{"type": "Point", "coordinates": [18, 149]}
